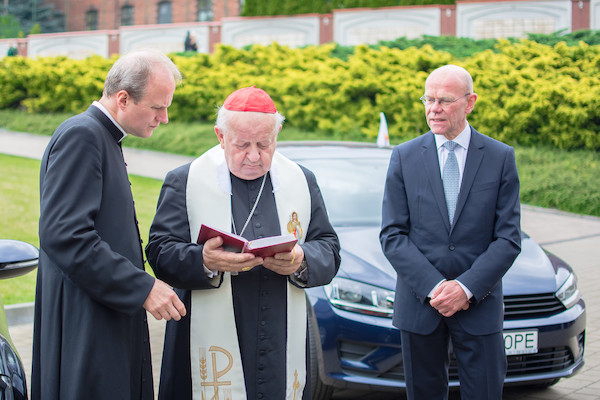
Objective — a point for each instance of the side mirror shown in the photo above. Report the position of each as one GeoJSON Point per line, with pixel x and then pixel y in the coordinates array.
{"type": "Point", "coordinates": [17, 258]}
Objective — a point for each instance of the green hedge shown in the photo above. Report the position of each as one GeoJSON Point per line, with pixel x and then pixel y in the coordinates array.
{"type": "Point", "coordinates": [289, 7]}
{"type": "Point", "coordinates": [529, 93]}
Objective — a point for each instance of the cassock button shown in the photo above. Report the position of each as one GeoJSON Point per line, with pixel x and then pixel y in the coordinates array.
{"type": "Point", "coordinates": [261, 367]}
{"type": "Point", "coordinates": [262, 352]}
{"type": "Point", "coordinates": [259, 395]}
{"type": "Point", "coordinates": [258, 225]}
{"type": "Point", "coordinates": [263, 323]}
{"type": "Point", "coordinates": [451, 247]}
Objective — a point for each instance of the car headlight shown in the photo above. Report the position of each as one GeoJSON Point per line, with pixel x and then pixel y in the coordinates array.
{"type": "Point", "coordinates": [568, 293]}
{"type": "Point", "coordinates": [360, 297]}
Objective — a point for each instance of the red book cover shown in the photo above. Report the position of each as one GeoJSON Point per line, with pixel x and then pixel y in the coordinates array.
{"type": "Point", "coordinates": [263, 247]}
{"type": "Point", "coordinates": [231, 242]}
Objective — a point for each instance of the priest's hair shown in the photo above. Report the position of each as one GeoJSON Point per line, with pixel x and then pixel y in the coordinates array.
{"type": "Point", "coordinates": [224, 115]}
{"type": "Point", "coordinates": [133, 71]}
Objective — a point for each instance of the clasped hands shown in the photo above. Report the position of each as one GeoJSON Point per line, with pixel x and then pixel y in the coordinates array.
{"type": "Point", "coordinates": [219, 260]}
{"type": "Point", "coordinates": [449, 298]}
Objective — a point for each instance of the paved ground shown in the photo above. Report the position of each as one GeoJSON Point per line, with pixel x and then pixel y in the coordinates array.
{"type": "Point", "coordinates": [574, 238]}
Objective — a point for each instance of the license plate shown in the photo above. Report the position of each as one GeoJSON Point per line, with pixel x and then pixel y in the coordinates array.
{"type": "Point", "coordinates": [521, 342]}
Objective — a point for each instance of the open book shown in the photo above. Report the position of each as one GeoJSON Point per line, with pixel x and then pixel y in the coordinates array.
{"type": "Point", "coordinates": [263, 247]}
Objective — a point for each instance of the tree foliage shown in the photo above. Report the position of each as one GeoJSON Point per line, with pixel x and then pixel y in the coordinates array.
{"type": "Point", "coordinates": [291, 7]}
{"type": "Point", "coordinates": [9, 26]}
{"type": "Point", "coordinates": [33, 15]}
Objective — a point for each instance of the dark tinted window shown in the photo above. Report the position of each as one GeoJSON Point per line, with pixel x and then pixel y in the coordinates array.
{"type": "Point", "coordinates": [164, 12]}
{"type": "Point", "coordinates": [205, 10]}
{"type": "Point", "coordinates": [127, 15]}
{"type": "Point", "coordinates": [91, 19]}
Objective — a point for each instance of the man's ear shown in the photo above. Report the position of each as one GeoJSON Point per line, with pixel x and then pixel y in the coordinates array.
{"type": "Point", "coordinates": [220, 136]}
{"type": "Point", "coordinates": [123, 99]}
{"type": "Point", "coordinates": [471, 103]}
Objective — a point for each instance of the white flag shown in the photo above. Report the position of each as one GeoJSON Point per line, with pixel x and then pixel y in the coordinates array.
{"type": "Point", "coordinates": [383, 139]}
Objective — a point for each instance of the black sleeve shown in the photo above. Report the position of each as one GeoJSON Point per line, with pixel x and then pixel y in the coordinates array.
{"type": "Point", "coordinates": [71, 194]}
{"type": "Point", "coordinates": [170, 252]}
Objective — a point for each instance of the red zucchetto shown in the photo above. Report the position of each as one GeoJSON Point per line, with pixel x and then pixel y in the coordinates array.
{"type": "Point", "coordinates": [250, 99]}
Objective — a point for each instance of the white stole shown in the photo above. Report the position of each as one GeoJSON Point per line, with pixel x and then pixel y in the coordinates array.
{"type": "Point", "coordinates": [216, 366]}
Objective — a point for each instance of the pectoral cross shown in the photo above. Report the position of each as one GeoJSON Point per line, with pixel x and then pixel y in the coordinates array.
{"type": "Point", "coordinates": [296, 384]}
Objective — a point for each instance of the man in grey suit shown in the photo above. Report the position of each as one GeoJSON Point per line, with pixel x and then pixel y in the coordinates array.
{"type": "Point", "coordinates": [451, 230]}
{"type": "Point", "coordinates": [90, 329]}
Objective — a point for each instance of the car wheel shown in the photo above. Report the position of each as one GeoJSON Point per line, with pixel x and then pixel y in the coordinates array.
{"type": "Point", "coordinates": [319, 390]}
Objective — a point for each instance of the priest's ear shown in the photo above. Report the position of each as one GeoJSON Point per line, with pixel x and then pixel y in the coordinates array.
{"type": "Point", "coordinates": [123, 99]}
{"type": "Point", "coordinates": [219, 133]}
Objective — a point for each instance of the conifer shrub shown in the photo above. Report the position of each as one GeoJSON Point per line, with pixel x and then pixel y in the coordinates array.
{"type": "Point", "coordinates": [528, 93]}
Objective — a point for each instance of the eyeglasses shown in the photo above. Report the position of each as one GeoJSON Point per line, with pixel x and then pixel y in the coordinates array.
{"type": "Point", "coordinates": [442, 101]}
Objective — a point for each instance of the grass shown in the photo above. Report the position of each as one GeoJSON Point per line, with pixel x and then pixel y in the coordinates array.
{"type": "Point", "coordinates": [19, 201]}
{"type": "Point", "coordinates": [190, 139]}
{"type": "Point", "coordinates": [564, 180]}
{"type": "Point", "coordinates": [551, 178]}
{"type": "Point", "coordinates": [21, 121]}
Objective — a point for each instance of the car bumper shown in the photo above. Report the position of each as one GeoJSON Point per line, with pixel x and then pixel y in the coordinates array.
{"type": "Point", "coordinates": [363, 352]}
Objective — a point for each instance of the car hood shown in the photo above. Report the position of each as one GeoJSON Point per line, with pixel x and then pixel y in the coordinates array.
{"type": "Point", "coordinates": [364, 261]}
{"type": "Point", "coordinates": [532, 271]}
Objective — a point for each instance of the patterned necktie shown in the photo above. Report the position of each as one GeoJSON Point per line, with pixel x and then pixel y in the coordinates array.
{"type": "Point", "coordinates": [450, 178]}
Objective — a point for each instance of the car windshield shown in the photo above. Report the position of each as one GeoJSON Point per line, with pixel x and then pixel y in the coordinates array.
{"type": "Point", "coordinates": [352, 188]}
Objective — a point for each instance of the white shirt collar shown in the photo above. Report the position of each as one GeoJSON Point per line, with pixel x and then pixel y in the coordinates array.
{"type": "Point", "coordinates": [463, 138]}
{"type": "Point", "coordinates": [105, 111]}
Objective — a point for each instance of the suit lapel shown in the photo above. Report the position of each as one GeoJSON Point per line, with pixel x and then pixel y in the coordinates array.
{"type": "Point", "coordinates": [474, 158]}
{"type": "Point", "coordinates": [431, 166]}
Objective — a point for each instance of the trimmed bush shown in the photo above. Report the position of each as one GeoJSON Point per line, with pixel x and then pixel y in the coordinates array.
{"type": "Point", "coordinates": [529, 93]}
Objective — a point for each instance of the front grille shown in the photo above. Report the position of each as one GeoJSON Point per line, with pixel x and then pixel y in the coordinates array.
{"type": "Point", "coordinates": [545, 360]}
{"type": "Point", "coordinates": [531, 306]}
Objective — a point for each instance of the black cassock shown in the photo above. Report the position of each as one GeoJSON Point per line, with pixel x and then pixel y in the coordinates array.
{"type": "Point", "coordinates": [259, 295]}
{"type": "Point", "coordinates": [90, 330]}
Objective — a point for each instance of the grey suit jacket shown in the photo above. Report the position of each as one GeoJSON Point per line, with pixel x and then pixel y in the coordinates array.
{"type": "Point", "coordinates": [477, 250]}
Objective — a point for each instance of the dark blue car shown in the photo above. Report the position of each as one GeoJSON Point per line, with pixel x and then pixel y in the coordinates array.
{"type": "Point", "coordinates": [16, 258]}
{"type": "Point", "coordinates": [353, 342]}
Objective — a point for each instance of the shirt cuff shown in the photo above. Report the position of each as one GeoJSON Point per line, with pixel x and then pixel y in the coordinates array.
{"type": "Point", "coordinates": [300, 277]}
{"type": "Point", "coordinates": [210, 274]}
{"type": "Point", "coordinates": [435, 287]}
{"type": "Point", "coordinates": [467, 291]}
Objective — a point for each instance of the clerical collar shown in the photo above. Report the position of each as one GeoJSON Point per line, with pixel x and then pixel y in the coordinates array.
{"type": "Point", "coordinates": [105, 111]}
